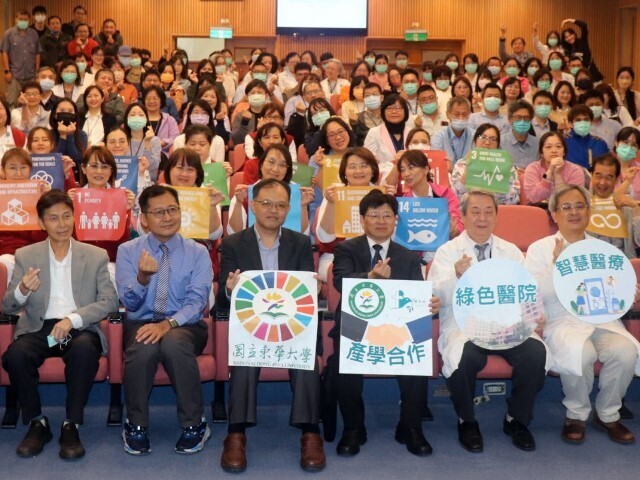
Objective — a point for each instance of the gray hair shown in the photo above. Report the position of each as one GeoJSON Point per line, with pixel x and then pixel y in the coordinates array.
{"type": "Point", "coordinates": [338, 64]}
{"type": "Point", "coordinates": [464, 201]}
{"type": "Point", "coordinates": [458, 101]}
{"type": "Point", "coordinates": [555, 196]}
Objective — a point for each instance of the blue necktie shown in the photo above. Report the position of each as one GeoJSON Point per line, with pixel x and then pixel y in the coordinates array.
{"type": "Point", "coordinates": [377, 257]}
{"type": "Point", "coordinates": [162, 287]}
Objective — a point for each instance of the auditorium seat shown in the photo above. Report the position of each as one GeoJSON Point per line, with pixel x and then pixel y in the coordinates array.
{"type": "Point", "coordinates": [522, 225]}
{"type": "Point", "coordinates": [237, 157]}
{"type": "Point", "coordinates": [303, 156]}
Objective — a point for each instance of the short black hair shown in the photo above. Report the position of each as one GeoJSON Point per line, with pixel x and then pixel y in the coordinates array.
{"type": "Point", "coordinates": [607, 159]}
{"type": "Point", "coordinates": [580, 109]}
{"type": "Point", "coordinates": [51, 198]}
{"type": "Point", "coordinates": [154, 191]}
{"type": "Point", "coordinates": [184, 156]}
{"type": "Point", "coordinates": [270, 183]}
{"type": "Point", "coordinates": [158, 91]}
{"type": "Point", "coordinates": [375, 198]}
{"type": "Point", "coordinates": [589, 94]}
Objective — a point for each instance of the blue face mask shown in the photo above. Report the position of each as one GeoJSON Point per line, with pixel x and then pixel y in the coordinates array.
{"type": "Point", "coordinates": [370, 61]}
{"type": "Point", "coordinates": [555, 64]}
{"type": "Point", "coordinates": [521, 126]}
{"type": "Point", "coordinates": [512, 71]}
{"type": "Point", "coordinates": [494, 70]}
{"type": "Point", "coordinates": [459, 125]}
{"type": "Point", "coordinates": [69, 77]}
{"type": "Point", "coordinates": [220, 69]}
{"type": "Point", "coordinates": [452, 65]}
{"type": "Point", "coordinates": [443, 84]}
{"type": "Point", "coordinates": [410, 88]}
{"type": "Point", "coordinates": [543, 111]}
{"type": "Point", "coordinates": [402, 63]}
{"type": "Point", "coordinates": [531, 71]}
{"type": "Point", "coordinates": [626, 153]}
{"type": "Point", "coordinates": [381, 68]}
{"type": "Point", "coordinates": [228, 61]}
{"type": "Point", "coordinates": [136, 123]}
{"type": "Point", "coordinates": [319, 118]}
{"type": "Point", "coordinates": [552, 42]}
{"type": "Point", "coordinates": [582, 127]}
{"type": "Point", "coordinates": [491, 104]}
{"type": "Point", "coordinates": [544, 85]}
{"type": "Point", "coordinates": [260, 76]}
{"type": "Point", "coordinates": [427, 76]}
{"type": "Point", "coordinates": [22, 24]}
{"type": "Point", "coordinates": [471, 68]}
{"type": "Point", "coordinates": [126, 61]}
{"type": "Point", "coordinates": [429, 108]}
{"type": "Point", "coordinates": [372, 102]}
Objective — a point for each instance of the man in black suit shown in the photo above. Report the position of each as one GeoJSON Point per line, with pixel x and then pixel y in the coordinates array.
{"type": "Point", "coordinates": [268, 246]}
{"type": "Point", "coordinates": [373, 255]}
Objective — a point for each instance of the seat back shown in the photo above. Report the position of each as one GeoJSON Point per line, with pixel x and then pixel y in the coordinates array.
{"type": "Point", "coordinates": [522, 224]}
{"type": "Point", "coordinates": [303, 156]}
{"type": "Point", "coordinates": [238, 157]}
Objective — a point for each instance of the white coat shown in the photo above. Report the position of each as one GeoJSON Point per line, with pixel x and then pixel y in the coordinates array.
{"type": "Point", "coordinates": [443, 275]}
{"type": "Point", "coordinates": [564, 334]}
{"type": "Point", "coordinates": [378, 141]}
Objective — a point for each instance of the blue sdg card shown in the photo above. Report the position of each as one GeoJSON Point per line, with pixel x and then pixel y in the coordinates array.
{"type": "Point", "coordinates": [423, 223]}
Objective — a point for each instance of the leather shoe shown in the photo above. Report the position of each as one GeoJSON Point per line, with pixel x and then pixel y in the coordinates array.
{"type": "Point", "coordinates": [70, 444]}
{"type": "Point", "coordinates": [616, 430]}
{"type": "Point", "coordinates": [234, 458]}
{"type": "Point", "coordinates": [427, 414]}
{"type": "Point", "coordinates": [312, 452]}
{"type": "Point", "coordinates": [470, 437]}
{"type": "Point", "coordinates": [520, 435]}
{"type": "Point", "coordinates": [351, 441]}
{"type": "Point", "coordinates": [37, 437]}
{"type": "Point", "coordinates": [414, 439]}
{"type": "Point", "coordinates": [573, 431]}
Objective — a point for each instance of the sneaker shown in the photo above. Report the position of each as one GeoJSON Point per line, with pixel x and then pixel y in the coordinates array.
{"type": "Point", "coordinates": [193, 438]}
{"type": "Point", "coordinates": [136, 439]}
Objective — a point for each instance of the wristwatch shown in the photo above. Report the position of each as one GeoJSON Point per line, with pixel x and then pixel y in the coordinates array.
{"type": "Point", "coordinates": [172, 322]}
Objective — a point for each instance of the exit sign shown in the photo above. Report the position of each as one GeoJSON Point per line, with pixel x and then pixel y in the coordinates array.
{"type": "Point", "coordinates": [221, 32]}
{"type": "Point", "coordinates": [415, 36]}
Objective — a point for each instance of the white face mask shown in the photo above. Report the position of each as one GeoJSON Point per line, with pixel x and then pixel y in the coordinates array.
{"type": "Point", "coordinates": [40, 18]}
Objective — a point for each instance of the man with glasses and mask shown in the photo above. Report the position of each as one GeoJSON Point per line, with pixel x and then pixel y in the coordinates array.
{"type": "Point", "coordinates": [576, 345]}
{"type": "Point", "coordinates": [268, 246]}
{"type": "Point", "coordinates": [164, 282]}
{"type": "Point", "coordinates": [62, 290]}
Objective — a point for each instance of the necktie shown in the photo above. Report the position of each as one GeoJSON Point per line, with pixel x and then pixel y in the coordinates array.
{"type": "Point", "coordinates": [481, 249]}
{"type": "Point", "coordinates": [377, 257]}
{"type": "Point", "coordinates": [162, 287]}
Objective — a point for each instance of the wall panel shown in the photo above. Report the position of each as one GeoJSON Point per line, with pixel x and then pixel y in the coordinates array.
{"type": "Point", "coordinates": [153, 22]}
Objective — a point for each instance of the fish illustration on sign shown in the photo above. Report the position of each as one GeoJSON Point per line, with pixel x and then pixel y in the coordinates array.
{"type": "Point", "coordinates": [422, 236]}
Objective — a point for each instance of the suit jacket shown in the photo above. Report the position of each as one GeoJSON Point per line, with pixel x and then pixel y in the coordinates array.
{"type": "Point", "coordinates": [352, 259]}
{"type": "Point", "coordinates": [240, 251]}
{"type": "Point", "coordinates": [93, 292]}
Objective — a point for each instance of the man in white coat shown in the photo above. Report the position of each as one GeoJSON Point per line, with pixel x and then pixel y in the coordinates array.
{"type": "Point", "coordinates": [463, 359]}
{"type": "Point", "coordinates": [576, 345]}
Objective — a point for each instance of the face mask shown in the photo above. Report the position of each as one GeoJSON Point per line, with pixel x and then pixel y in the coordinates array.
{"type": "Point", "coordinates": [494, 70]}
{"type": "Point", "coordinates": [166, 78]}
{"type": "Point", "coordinates": [69, 77]}
{"type": "Point", "coordinates": [512, 71]}
{"type": "Point", "coordinates": [626, 153]}
{"type": "Point", "coordinates": [521, 126]}
{"type": "Point", "coordinates": [199, 119]}
{"type": "Point", "coordinates": [427, 76]}
{"type": "Point", "coordinates": [40, 18]}
{"type": "Point", "coordinates": [483, 83]}
{"type": "Point", "coordinates": [125, 61]}
{"type": "Point", "coordinates": [372, 102]}
{"type": "Point", "coordinates": [531, 71]}
{"type": "Point", "coordinates": [82, 66]}
{"type": "Point", "coordinates": [582, 128]}
{"type": "Point", "coordinates": [401, 63]}
{"type": "Point", "coordinates": [597, 111]}
{"type": "Point", "coordinates": [319, 118]}
{"type": "Point", "coordinates": [118, 76]}
{"type": "Point", "coordinates": [46, 84]}
{"type": "Point", "coordinates": [65, 117]}
{"type": "Point", "coordinates": [459, 125]}
{"type": "Point", "coordinates": [257, 100]}
{"type": "Point", "coordinates": [254, 57]}
{"type": "Point", "coordinates": [135, 62]}
{"type": "Point", "coordinates": [555, 64]}
{"type": "Point", "coordinates": [492, 104]}
{"type": "Point", "coordinates": [260, 76]}
{"type": "Point", "coordinates": [544, 85]}
{"type": "Point", "coordinates": [543, 111]}
{"type": "Point", "coordinates": [358, 93]}
{"type": "Point", "coordinates": [429, 108]}
{"type": "Point", "coordinates": [420, 146]}
{"type": "Point", "coordinates": [552, 42]}
{"type": "Point", "coordinates": [220, 69]}
{"type": "Point", "coordinates": [22, 24]}
{"type": "Point", "coordinates": [584, 84]}
{"type": "Point", "coordinates": [228, 60]}
{"type": "Point", "coordinates": [471, 68]}
{"type": "Point", "coordinates": [410, 88]}
{"type": "Point", "coordinates": [136, 123]}
{"type": "Point", "coordinates": [574, 70]}
{"type": "Point", "coordinates": [452, 65]}
{"type": "Point", "coordinates": [381, 68]}
{"type": "Point", "coordinates": [443, 84]}
{"type": "Point", "coordinates": [370, 61]}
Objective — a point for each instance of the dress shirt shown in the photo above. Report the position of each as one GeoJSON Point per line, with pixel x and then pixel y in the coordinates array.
{"type": "Point", "coordinates": [499, 121]}
{"type": "Point", "coordinates": [523, 153]}
{"type": "Point", "coordinates": [383, 251]}
{"type": "Point", "coordinates": [268, 255]}
{"type": "Point", "coordinates": [94, 128]}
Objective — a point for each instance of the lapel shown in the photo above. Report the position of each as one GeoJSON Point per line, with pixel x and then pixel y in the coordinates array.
{"type": "Point", "coordinates": [386, 139]}
{"type": "Point", "coordinates": [78, 262]}
{"type": "Point", "coordinates": [363, 252]}
{"type": "Point", "coordinates": [45, 271]}
{"type": "Point", "coordinates": [252, 250]}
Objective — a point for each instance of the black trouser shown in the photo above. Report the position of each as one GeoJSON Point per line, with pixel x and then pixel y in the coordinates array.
{"type": "Point", "coordinates": [28, 352]}
{"type": "Point", "coordinates": [177, 350]}
{"type": "Point", "coordinates": [527, 359]}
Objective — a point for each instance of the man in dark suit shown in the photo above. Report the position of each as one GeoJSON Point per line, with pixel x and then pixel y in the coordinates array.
{"type": "Point", "coordinates": [62, 289]}
{"type": "Point", "coordinates": [373, 255]}
{"type": "Point", "coordinates": [268, 246]}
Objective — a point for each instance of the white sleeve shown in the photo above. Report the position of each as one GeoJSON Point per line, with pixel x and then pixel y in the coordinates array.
{"type": "Point", "coordinates": [216, 151]}
{"type": "Point", "coordinates": [248, 146]}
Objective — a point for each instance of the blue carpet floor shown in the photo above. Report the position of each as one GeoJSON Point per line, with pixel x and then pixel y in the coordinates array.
{"type": "Point", "coordinates": [273, 448]}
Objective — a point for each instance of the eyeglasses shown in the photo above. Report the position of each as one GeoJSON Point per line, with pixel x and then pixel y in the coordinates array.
{"type": "Point", "coordinates": [99, 166]}
{"type": "Point", "coordinates": [337, 133]}
{"type": "Point", "coordinates": [31, 94]}
{"type": "Point", "coordinates": [567, 207]}
{"type": "Point", "coordinates": [269, 205]}
{"type": "Point", "coordinates": [273, 162]}
{"type": "Point", "coordinates": [377, 216]}
{"type": "Point", "coordinates": [395, 107]}
{"type": "Point", "coordinates": [488, 139]}
{"type": "Point", "coordinates": [160, 212]}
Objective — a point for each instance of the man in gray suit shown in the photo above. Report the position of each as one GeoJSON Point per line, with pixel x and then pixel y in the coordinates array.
{"type": "Point", "coordinates": [62, 289]}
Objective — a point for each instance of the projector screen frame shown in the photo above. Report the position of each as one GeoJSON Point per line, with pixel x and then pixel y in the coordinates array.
{"type": "Point", "coordinates": [334, 32]}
